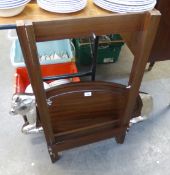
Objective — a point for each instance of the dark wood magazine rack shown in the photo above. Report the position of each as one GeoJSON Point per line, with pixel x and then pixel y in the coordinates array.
{"type": "Point", "coordinates": [80, 113]}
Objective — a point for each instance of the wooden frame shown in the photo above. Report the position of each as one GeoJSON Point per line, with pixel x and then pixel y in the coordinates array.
{"type": "Point", "coordinates": [143, 24]}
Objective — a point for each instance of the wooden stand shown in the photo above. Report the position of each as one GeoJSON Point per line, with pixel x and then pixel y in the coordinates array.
{"type": "Point", "coordinates": [82, 113]}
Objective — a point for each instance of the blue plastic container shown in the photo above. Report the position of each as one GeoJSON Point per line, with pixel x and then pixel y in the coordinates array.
{"type": "Point", "coordinates": [50, 52]}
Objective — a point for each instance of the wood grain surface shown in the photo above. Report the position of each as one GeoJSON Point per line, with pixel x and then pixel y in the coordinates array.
{"type": "Point", "coordinates": [70, 119]}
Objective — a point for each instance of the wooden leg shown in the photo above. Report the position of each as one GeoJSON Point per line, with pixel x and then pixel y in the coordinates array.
{"type": "Point", "coordinates": [151, 65]}
{"type": "Point", "coordinates": [120, 138]}
{"type": "Point", "coordinates": [53, 155]}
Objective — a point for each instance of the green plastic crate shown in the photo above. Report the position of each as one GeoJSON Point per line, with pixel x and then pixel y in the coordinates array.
{"type": "Point", "coordinates": [108, 50]}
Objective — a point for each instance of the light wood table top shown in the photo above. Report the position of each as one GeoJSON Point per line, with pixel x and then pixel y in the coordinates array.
{"type": "Point", "coordinates": [33, 12]}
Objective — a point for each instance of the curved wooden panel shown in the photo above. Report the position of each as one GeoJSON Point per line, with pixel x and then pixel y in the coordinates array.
{"type": "Point", "coordinates": [82, 104]}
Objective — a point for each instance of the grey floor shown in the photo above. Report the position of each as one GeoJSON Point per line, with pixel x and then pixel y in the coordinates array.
{"type": "Point", "coordinates": [146, 150]}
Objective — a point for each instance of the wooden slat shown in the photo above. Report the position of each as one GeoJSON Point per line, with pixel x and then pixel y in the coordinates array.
{"type": "Point", "coordinates": [85, 130]}
{"type": "Point", "coordinates": [90, 138]}
{"type": "Point", "coordinates": [27, 41]}
{"type": "Point", "coordinates": [85, 26]}
{"type": "Point", "coordinates": [143, 48]}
